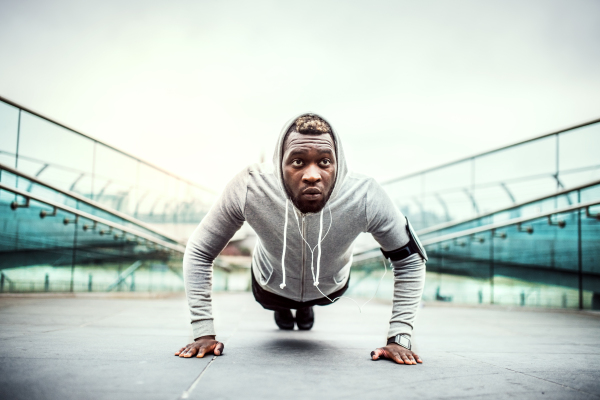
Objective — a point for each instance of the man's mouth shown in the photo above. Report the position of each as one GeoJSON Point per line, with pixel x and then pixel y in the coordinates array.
{"type": "Point", "coordinates": [311, 193]}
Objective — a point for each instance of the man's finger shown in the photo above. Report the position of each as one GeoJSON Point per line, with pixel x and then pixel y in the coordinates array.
{"type": "Point", "coordinates": [205, 349]}
{"type": "Point", "coordinates": [412, 359]}
{"type": "Point", "coordinates": [375, 354]}
{"type": "Point", "coordinates": [219, 349]}
{"type": "Point", "coordinates": [417, 358]}
{"type": "Point", "coordinates": [406, 360]}
{"type": "Point", "coordinates": [182, 353]}
{"type": "Point", "coordinates": [396, 357]}
{"type": "Point", "coordinates": [179, 351]}
{"type": "Point", "coordinates": [190, 352]}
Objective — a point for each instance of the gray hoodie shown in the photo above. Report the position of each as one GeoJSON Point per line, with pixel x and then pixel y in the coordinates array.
{"type": "Point", "coordinates": [292, 265]}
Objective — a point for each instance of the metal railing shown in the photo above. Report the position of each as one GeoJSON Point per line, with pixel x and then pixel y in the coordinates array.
{"type": "Point", "coordinates": [86, 201]}
{"type": "Point", "coordinates": [518, 222]}
{"type": "Point", "coordinates": [113, 226]}
{"type": "Point", "coordinates": [453, 224]}
{"type": "Point", "coordinates": [507, 176]}
{"type": "Point", "coordinates": [78, 163]}
{"type": "Point", "coordinates": [53, 121]}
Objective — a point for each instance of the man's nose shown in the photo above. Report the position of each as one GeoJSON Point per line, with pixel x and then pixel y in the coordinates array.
{"type": "Point", "coordinates": [311, 174]}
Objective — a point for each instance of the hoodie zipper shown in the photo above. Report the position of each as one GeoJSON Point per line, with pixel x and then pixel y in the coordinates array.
{"type": "Point", "coordinates": [303, 260]}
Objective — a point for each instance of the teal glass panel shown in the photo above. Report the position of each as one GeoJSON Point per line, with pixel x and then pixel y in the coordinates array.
{"type": "Point", "coordinates": [590, 249]}
{"type": "Point", "coordinates": [28, 239]}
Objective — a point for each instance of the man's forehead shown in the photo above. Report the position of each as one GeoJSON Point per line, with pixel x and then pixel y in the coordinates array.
{"type": "Point", "coordinates": [298, 140]}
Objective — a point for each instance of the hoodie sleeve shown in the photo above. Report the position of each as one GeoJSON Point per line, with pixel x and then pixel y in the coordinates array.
{"type": "Point", "coordinates": [388, 226]}
{"type": "Point", "coordinates": [208, 240]}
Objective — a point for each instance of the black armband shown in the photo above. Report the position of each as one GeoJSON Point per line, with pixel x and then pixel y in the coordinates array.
{"type": "Point", "coordinates": [413, 246]}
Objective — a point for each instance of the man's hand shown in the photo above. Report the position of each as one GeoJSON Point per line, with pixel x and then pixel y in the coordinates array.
{"type": "Point", "coordinates": [202, 346]}
{"type": "Point", "coordinates": [397, 353]}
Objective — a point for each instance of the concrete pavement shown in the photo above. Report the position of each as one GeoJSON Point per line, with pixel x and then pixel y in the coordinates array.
{"type": "Point", "coordinates": [100, 347]}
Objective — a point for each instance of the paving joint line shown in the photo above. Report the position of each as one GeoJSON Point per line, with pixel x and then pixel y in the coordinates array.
{"type": "Point", "coordinates": [531, 376]}
{"type": "Point", "coordinates": [189, 390]}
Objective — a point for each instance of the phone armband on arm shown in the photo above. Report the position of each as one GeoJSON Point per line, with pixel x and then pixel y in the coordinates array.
{"type": "Point", "coordinates": [413, 246]}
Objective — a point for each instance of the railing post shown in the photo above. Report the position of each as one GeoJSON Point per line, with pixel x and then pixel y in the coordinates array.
{"type": "Point", "coordinates": [492, 233]}
{"type": "Point", "coordinates": [579, 253]}
{"type": "Point", "coordinates": [74, 251]}
{"type": "Point", "coordinates": [47, 283]}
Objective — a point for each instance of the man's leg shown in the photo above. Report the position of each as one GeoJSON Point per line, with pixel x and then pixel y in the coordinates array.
{"type": "Point", "coordinates": [269, 301]}
{"type": "Point", "coordinates": [282, 306]}
{"type": "Point", "coordinates": [305, 318]}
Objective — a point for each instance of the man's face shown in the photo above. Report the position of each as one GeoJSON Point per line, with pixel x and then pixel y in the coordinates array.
{"type": "Point", "coordinates": [309, 168]}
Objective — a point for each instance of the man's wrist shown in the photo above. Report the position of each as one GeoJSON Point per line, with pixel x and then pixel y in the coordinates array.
{"type": "Point", "coordinates": [213, 337]}
{"type": "Point", "coordinates": [401, 339]}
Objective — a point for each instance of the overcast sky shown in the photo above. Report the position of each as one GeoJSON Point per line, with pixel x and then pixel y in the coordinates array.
{"type": "Point", "coordinates": [202, 88]}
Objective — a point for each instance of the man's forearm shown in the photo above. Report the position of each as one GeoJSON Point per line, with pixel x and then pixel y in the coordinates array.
{"type": "Point", "coordinates": [409, 279]}
{"type": "Point", "coordinates": [197, 269]}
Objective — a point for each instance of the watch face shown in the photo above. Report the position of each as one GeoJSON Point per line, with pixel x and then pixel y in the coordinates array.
{"type": "Point", "coordinates": [404, 342]}
{"type": "Point", "coordinates": [415, 239]}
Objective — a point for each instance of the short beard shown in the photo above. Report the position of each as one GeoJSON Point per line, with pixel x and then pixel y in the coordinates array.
{"type": "Point", "coordinates": [312, 207]}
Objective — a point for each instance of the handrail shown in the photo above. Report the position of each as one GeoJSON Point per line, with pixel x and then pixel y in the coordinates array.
{"type": "Point", "coordinates": [12, 103]}
{"type": "Point", "coordinates": [175, 247]}
{"type": "Point", "coordinates": [89, 202]}
{"type": "Point", "coordinates": [365, 255]}
{"type": "Point", "coordinates": [450, 224]}
{"type": "Point", "coordinates": [392, 180]}
{"type": "Point", "coordinates": [515, 221]}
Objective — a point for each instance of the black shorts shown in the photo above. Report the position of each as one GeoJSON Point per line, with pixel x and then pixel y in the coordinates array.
{"type": "Point", "coordinates": [272, 301]}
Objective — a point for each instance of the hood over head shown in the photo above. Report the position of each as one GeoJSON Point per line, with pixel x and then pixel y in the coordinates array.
{"type": "Point", "coordinates": [341, 173]}
{"type": "Point", "coordinates": [342, 168]}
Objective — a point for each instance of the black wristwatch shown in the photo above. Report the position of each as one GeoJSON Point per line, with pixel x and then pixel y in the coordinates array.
{"type": "Point", "coordinates": [400, 340]}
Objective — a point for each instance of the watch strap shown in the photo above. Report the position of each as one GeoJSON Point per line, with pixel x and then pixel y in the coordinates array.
{"type": "Point", "coordinates": [401, 340]}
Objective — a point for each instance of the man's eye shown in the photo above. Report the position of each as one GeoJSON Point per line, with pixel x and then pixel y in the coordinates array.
{"type": "Point", "coordinates": [297, 163]}
{"type": "Point", "coordinates": [326, 161]}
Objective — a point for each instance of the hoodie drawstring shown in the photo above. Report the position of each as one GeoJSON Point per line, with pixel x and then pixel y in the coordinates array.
{"type": "Point", "coordinates": [312, 252]}
{"type": "Point", "coordinates": [319, 246]}
{"type": "Point", "coordinates": [284, 244]}
{"type": "Point", "coordinates": [312, 249]}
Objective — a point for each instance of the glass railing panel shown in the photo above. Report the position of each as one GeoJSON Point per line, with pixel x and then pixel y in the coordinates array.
{"type": "Point", "coordinates": [26, 236]}
{"type": "Point", "coordinates": [406, 194]}
{"type": "Point", "coordinates": [441, 188]}
{"type": "Point", "coordinates": [590, 193]}
{"type": "Point", "coordinates": [45, 254]}
{"type": "Point", "coordinates": [501, 178]}
{"type": "Point", "coordinates": [578, 151]}
{"type": "Point", "coordinates": [527, 210]}
{"type": "Point", "coordinates": [590, 250]}
{"type": "Point", "coordinates": [489, 198]}
{"type": "Point", "coordinates": [152, 276]}
{"type": "Point", "coordinates": [115, 179]}
{"type": "Point", "coordinates": [9, 122]}
{"type": "Point", "coordinates": [52, 195]}
{"type": "Point", "coordinates": [55, 154]}
{"type": "Point", "coordinates": [528, 162]}
{"type": "Point", "coordinates": [466, 258]}
{"type": "Point", "coordinates": [152, 184]}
